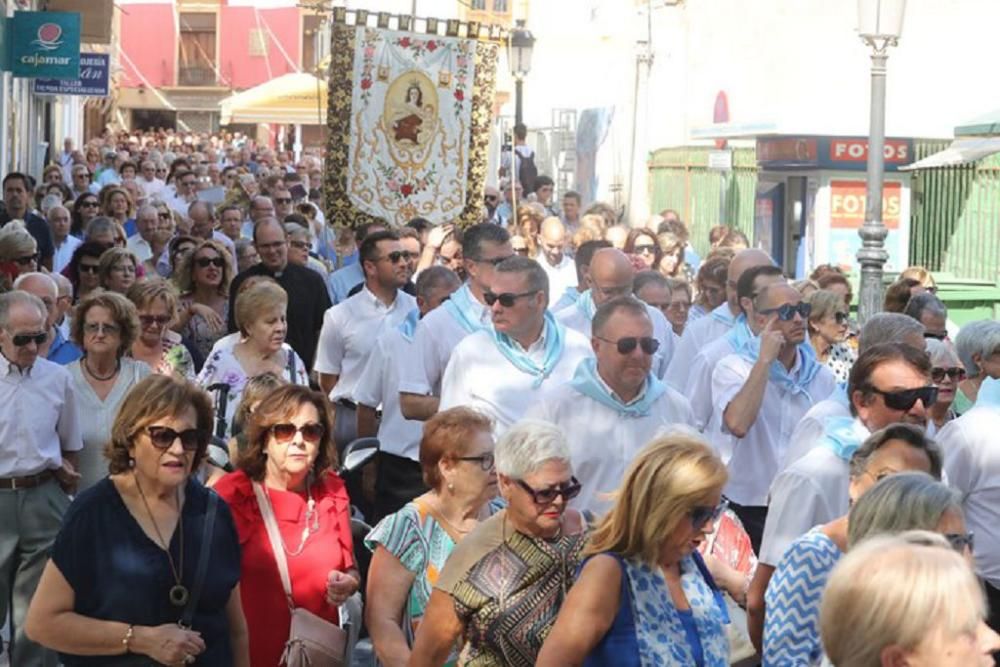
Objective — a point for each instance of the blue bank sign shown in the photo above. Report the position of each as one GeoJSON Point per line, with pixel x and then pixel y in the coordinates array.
{"type": "Point", "coordinates": [44, 45]}
{"type": "Point", "coordinates": [92, 82]}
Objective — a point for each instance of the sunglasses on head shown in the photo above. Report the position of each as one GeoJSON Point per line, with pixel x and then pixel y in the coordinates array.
{"type": "Point", "coordinates": [20, 340]}
{"type": "Point", "coordinates": [702, 514]}
{"type": "Point", "coordinates": [507, 299]}
{"type": "Point", "coordinates": [568, 490]}
{"type": "Point", "coordinates": [205, 262]}
{"type": "Point", "coordinates": [957, 374]}
{"type": "Point", "coordinates": [906, 398]}
{"type": "Point", "coordinates": [841, 317]}
{"type": "Point", "coordinates": [627, 345]}
{"type": "Point", "coordinates": [786, 311]}
{"type": "Point", "coordinates": [163, 437]}
{"type": "Point", "coordinates": [311, 433]}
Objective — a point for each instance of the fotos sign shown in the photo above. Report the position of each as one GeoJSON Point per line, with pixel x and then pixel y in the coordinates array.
{"type": "Point", "coordinates": [45, 45]}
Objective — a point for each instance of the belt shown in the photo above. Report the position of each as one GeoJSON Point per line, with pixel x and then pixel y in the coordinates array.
{"type": "Point", "coordinates": [347, 403]}
{"type": "Point", "coordinates": [26, 482]}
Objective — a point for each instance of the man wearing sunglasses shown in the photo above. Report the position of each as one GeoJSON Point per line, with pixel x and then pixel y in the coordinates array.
{"type": "Point", "coordinates": [484, 246]}
{"type": "Point", "coordinates": [37, 457]}
{"type": "Point", "coordinates": [614, 404]}
{"type": "Point", "coordinates": [202, 215]}
{"type": "Point", "coordinates": [504, 371]}
{"type": "Point", "coordinates": [930, 311]}
{"type": "Point", "coordinates": [56, 347]}
{"type": "Point", "coordinates": [351, 327]}
{"type": "Point", "coordinates": [346, 278]}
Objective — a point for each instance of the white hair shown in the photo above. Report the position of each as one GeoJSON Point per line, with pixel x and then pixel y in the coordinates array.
{"type": "Point", "coordinates": [942, 353]}
{"type": "Point", "coordinates": [527, 445]}
{"type": "Point", "coordinates": [981, 337]}
{"type": "Point", "coordinates": [19, 298]}
{"type": "Point", "coordinates": [36, 275]}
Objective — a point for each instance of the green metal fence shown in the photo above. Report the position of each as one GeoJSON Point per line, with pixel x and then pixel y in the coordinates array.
{"type": "Point", "coordinates": [679, 178]}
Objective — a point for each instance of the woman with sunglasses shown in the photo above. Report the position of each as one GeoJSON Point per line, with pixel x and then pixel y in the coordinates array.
{"type": "Point", "coordinates": [411, 546]}
{"type": "Point", "coordinates": [104, 328]}
{"type": "Point", "coordinates": [946, 372]}
{"type": "Point", "coordinates": [83, 268]}
{"type": "Point", "coordinates": [642, 243]}
{"type": "Point", "coordinates": [644, 594]}
{"type": "Point", "coordinates": [85, 208]}
{"type": "Point", "coordinates": [894, 487]}
{"type": "Point", "coordinates": [502, 587]}
{"type": "Point", "coordinates": [828, 327]}
{"type": "Point", "coordinates": [156, 344]}
{"type": "Point", "coordinates": [124, 573]}
{"type": "Point", "coordinates": [288, 464]}
{"type": "Point", "coordinates": [18, 253]}
{"type": "Point", "coordinates": [203, 277]}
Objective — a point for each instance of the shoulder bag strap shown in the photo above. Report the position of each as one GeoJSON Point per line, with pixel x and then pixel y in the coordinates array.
{"type": "Point", "coordinates": [208, 532]}
{"type": "Point", "coordinates": [277, 546]}
{"type": "Point", "coordinates": [291, 365]}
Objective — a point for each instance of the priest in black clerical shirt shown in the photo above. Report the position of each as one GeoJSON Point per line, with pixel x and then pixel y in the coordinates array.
{"type": "Point", "coordinates": [307, 296]}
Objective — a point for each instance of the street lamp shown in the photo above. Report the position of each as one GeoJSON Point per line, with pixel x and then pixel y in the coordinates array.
{"type": "Point", "coordinates": [520, 44]}
{"type": "Point", "coordinates": [880, 23]}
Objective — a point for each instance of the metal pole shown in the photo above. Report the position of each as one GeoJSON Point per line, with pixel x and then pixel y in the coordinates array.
{"type": "Point", "coordinates": [872, 255]}
{"type": "Point", "coordinates": [518, 101]}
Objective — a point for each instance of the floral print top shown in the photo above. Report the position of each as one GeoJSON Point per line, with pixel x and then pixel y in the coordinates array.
{"type": "Point", "coordinates": [201, 334]}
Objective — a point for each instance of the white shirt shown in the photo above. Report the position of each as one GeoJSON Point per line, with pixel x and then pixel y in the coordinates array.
{"type": "Point", "coordinates": [479, 376]}
{"type": "Point", "coordinates": [753, 460]}
{"type": "Point", "coordinates": [64, 252]}
{"type": "Point", "coordinates": [561, 276]}
{"type": "Point", "coordinates": [437, 336]}
{"type": "Point", "coordinates": [972, 466]}
{"type": "Point", "coordinates": [151, 188]}
{"type": "Point", "coordinates": [809, 430]}
{"type": "Point", "coordinates": [696, 335]}
{"type": "Point", "coordinates": [349, 332]}
{"type": "Point", "coordinates": [602, 443]}
{"type": "Point", "coordinates": [699, 382]}
{"type": "Point", "coordinates": [574, 318]}
{"type": "Point", "coordinates": [44, 391]}
{"type": "Point", "coordinates": [379, 385]}
{"type": "Point", "coordinates": [139, 247]}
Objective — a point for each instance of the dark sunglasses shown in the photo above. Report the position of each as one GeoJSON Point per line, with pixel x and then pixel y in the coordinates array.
{"type": "Point", "coordinates": [786, 311]}
{"type": "Point", "coordinates": [956, 374]}
{"type": "Point", "coordinates": [702, 514]}
{"type": "Point", "coordinates": [841, 318]}
{"type": "Point", "coordinates": [205, 262]}
{"type": "Point", "coordinates": [485, 461]}
{"type": "Point", "coordinates": [628, 344]}
{"type": "Point", "coordinates": [150, 320]}
{"type": "Point", "coordinates": [494, 261]}
{"type": "Point", "coordinates": [282, 200]}
{"type": "Point", "coordinates": [643, 249]}
{"type": "Point", "coordinates": [20, 340]}
{"type": "Point", "coordinates": [396, 256]}
{"type": "Point", "coordinates": [88, 268]}
{"type": "Point", "coordinates": [490, 198]}
{"type": "Point", "coordinates": [905, 399]}
{"type": "Point", "coordinates": [568, 490]}
{"type": "Point", "coordinates": [507, 299]}
{"type": "Point", "coordinates": [89, 203]}
{"type": "Point", "coordinates": [164, 437]}
{"type": "Point", "coordinates": [27, 259]}
{"type": "Point", "coordinates": [935, 335]}
{"type": "Point", "coordinates": [961, 541]}
{"type": "Point", "coordinates": [311, 433]}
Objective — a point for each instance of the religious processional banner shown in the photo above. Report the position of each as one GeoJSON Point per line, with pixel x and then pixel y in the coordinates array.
{"type": "Point", "coordinates": [409, 116]}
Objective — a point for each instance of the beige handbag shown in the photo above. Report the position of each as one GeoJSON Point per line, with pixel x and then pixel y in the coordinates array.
{"type": "Point", "coordinates": [312, 641]}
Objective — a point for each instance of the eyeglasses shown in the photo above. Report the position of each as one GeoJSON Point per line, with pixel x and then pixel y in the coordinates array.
{"type": "Point", "coordinates": [282, 200]}
{"type": "Point", "coordinates": [159, 320]}
{"type": "Point", "coordinates": [88, 268]}
{"type": "Point", "coordinates": [936, 335]}
{"type": "Point", "coordinates": [906, 398]}
{"type": "Point", "coordinates": [786, 311]}
{"type": "Point", "coordinates": [21, 340]}
{"type": "Point", "coordinates": [311, 433]}
{"type": "Point", "coordinates": [25, 260]}
{"type": "Point", "coordinates": [568, 490]}
{"type": "Point", "coordinates": [485, 461]}
{"type": "Point", "coordinates": [123, 268]}
{"type": "Point", "coordinates": [205, 262]}
{"type": "Point", "coordinates": [164, 437]}
{"type": "Point", "coordinates": [495, 261]}
{"type": "Point", "coordinates": [101, 328]}
{"type": "Point", "coordinates": [957, 374]}
{"type": "Point", "coordinates": [628, 344]}
{"type": "Point", "coordinates": [700, 515]}
{"type": "Point", "coordinates": [841, 317]}
{"type": "Point", "coordinates": [961, 541]}
{"type": "Point", "coordinates": [507, 299]}
{"type": "Point", "coordinates": [645, 249]}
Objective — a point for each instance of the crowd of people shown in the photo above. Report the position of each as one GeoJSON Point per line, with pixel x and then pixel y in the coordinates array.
{"type": "Point", "coordinates": [596, 447]}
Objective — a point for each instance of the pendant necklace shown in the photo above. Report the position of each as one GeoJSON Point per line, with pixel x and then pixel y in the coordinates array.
{"type": "Point", "coordinates": [97, 377]}
{"type": "Point", "coordinates": [178, 592]}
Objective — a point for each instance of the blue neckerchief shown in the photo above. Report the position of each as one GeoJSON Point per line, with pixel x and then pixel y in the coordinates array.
{"type": "Point", "coordinates": [740, 335]}
{"type": "Point", "coordinates": [723, 314]}
{"type": "Point", "coordinates": [571, 294]}
{"type": "Point", "coordinates": [409, 325]}
{"type": "Point", "coordinates": [462, 307]}
{"type": "Point", "coordinates": [989, 394]}
{"type": "Point", "coordinates": [808, 365]}
{"type": "Point", "coordinates": [588, 382]}
{"type": "Point", "coordinates": [843, 436]}
{"type": "Point", "coordinates": [585, 303]}
{"type": "Point", "coordinates": [554, 334]}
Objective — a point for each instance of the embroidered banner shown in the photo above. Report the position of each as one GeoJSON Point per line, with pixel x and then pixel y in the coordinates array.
{"type": "Point", "coordinates": [409, 118]}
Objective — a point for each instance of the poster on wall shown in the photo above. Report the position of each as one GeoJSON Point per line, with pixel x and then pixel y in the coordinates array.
{"type": "Point", "coordinates": [847, 215]}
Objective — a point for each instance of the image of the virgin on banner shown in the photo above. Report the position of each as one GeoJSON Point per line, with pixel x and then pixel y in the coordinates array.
{"type": "Point", "coordinates": [412, 141]}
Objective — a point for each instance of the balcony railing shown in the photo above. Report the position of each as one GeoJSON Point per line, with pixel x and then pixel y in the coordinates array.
{"type": "Point", "coordinates": [196, 76]}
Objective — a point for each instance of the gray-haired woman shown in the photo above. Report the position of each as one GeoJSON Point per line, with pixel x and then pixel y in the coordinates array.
{"type": "Point", "coordinates": [535, 543]}
{"type": "Point", "coordinates": [978, 347]}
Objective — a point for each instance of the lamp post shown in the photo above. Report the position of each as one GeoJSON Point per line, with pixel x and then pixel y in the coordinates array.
{"type": "Point", "coordinates": [880, 23]}
{"type": "Point", "coordinates": [520, 44]}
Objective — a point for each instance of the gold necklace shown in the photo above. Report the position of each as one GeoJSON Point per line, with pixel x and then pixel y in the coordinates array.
{"type": "Point", "coordinates": [178, 592]}
{"type": "Point", "coordinates": [438, 513]}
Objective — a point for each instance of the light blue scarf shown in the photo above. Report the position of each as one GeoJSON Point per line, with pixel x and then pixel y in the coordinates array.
{"type": "Point", "coordinates": [843, 436]}
{"type": "Point", "coordinates": [809, 366]}
{"type": "Point", "coordinates": [588, 382]}
{"type": "Point", "coordinates": [554, 334]}
{"type": "Point", "coordinates": [740, 335]}
{"type": "Point", "coordinates": [408, 326]}
{"type": "Point", "coordinates": [989, 394]}
{"type": "Point", "coordinates": [462, 307]}
{"type": "Point", "coordinates": [571, 294]}
{"type": "Point", "coordinates": [723, 314]}
{"type": "Point", "coordinates": [586, 304]}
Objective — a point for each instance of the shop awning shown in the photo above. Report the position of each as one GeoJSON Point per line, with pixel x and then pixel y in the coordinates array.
{"type": "Point", "coordinates": [961, 151]}
{"type": "Point", "coordinates": [987, 125]}
{"type": "Point", "coordinates": [296, 99]}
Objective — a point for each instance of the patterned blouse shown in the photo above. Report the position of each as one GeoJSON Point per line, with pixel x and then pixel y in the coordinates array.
{"type": "Point", "coordinates": [200, 333]}
{"type": "Point", "coordinates": [175, 360]}
{"type": "Point", "coordinates": [507, 588]}
{"type": "Point", "coordinates": [840, 360]}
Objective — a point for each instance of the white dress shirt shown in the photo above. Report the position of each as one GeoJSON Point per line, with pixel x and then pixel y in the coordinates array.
{"type": "Point", "coordinates": [64, 252]}
{"type": "Point", "coordinates": [349, 332]}
{"type": "Point", "coordinates": [809, 430]}
{"type": "Point", "coordinates": [152, 189]}
{"type": "Point", "coordinates": [602, 443]}
{"type": "Point", "coordinates": [379, 385]}
{"type": "Point", "coordinates": [699, 382]}
{"type": "Point", "coordinates": [753, 460]}
{"type": "Point", "coordinates": [45, 392]}
{"type": "Point", "coordinates": [139, 247]}
{"type": "Point", "coordinates": [972, 466]}
{"type": "Point", "coordinates": [696, 335]}
{"type": "Point", "coordinates": [561, 276]}
{"type": "Point", "coordinates": [480, 376]}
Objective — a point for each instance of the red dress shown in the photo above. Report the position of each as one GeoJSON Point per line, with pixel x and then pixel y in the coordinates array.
{"type": "Point", "coordinates": [329, 548]}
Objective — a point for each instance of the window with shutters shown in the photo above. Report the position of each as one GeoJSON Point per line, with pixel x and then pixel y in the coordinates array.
{"type": "Point", "coordinates": [196, 62]}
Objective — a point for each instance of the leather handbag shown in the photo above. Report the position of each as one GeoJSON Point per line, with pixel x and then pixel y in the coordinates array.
{"type": "Point", "coordinates": [312, 641]}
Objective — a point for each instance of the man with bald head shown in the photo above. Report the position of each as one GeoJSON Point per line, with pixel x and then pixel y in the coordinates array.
{"type": "Point", "coordinates": [704, 330]}
{"type": "Point", "coordinates": [611, 276]}
{"type": "Point", "coordinates": [55, 348]}
{"type": "Point", "coordinates": [551, 241]}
